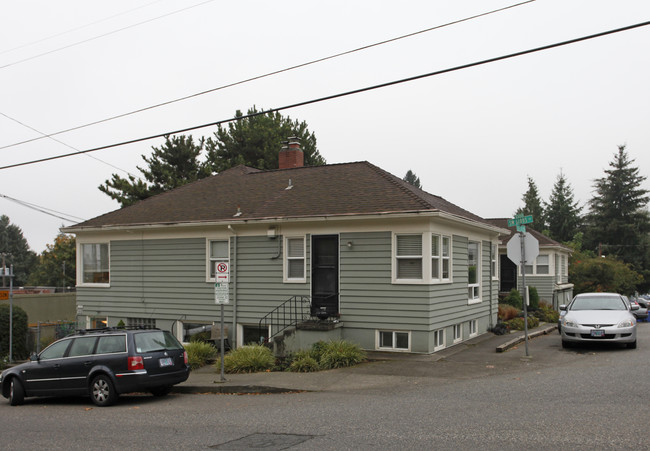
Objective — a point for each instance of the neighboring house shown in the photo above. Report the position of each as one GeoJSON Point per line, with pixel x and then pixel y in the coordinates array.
{"type": "Point", "coordinates": [549, 273]}
{"type": "Point", "coordinates": [392, 267]}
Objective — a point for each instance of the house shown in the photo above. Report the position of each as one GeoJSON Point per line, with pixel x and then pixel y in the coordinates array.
{"type": "Point", "coordinates": [382, 263]}
{"type": "Point", "coordinates": [549, 273]}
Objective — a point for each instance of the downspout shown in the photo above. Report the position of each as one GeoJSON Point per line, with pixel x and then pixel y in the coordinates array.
{"type": "Point", "coordinates": [234, 289]}
{"type": "Point", "coordinates": [491, 276]}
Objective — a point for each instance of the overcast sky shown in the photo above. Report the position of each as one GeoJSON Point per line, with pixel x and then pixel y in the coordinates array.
{"type": "Point", "coordinates": [472, 136]}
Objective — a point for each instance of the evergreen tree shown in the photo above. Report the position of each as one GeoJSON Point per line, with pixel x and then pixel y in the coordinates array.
{"type": "Point", "coordinates": [174, 164]}
{"type": "Point", "coordinates": [413, 179]}
{"type": "Point", "coordinates": [15, 251]}
{"type": "Point", "coordinates": [533, 206]}
{"type": "Point", "coordinates": [562, 212]}
{"type": "Point", "coordinates": [256, 141]}
{"type": "Point", "coordinates": [618, 223]}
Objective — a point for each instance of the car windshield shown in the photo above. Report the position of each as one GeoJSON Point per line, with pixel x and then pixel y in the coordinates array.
{"type": "Point", "coordinates": [598, 303]}
{"type": "Point", "coordinates": [158, 340]}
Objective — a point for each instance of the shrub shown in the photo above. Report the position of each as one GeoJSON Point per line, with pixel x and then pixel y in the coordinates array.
{"type": "Point", "coordinates": [19, 349]}
{"type": "Point", "coordinates": [303, 362]}
{"type": "Point", "coordinates": [546, 313]}
{"type": "Point", "coordinates": [199, 353]}
{"type": "Point", "coordinates": [500, 328]}
{"type": "Point", "coordinates": [507, 312]}
{"type": "Point", "coordinates": [514, 298]}
{"type": "Point", "coordinates": [533, 298]}
{"type": "Point", "coordinates": [248, 359]}
{"type": "Point", "coordinates": [341, 353]}
{"type": "Point", "coordinates": [518, 323]}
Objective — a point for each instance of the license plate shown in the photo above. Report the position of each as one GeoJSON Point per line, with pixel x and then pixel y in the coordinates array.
{"type": "Point", "coordinates": [167, 361]}
{"type": "Point", "coordinates": [597, 333]}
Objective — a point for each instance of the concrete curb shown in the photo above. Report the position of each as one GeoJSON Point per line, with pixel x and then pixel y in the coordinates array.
{"type": "Point", "coordinates": [520, 339]}
{"type": "Point", "coordinates": [233, 389]}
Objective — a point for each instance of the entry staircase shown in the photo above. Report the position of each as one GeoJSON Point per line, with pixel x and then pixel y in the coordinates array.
{"type": "Point", "coordinates": [290, 313]}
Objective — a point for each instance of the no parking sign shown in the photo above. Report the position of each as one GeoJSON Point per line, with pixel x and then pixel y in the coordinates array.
{"type": "Point", "coordinates": [222, 273]}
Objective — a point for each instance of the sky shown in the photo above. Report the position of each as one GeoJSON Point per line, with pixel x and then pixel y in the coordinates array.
{"type": "Point", "coordinates": [472, 136]}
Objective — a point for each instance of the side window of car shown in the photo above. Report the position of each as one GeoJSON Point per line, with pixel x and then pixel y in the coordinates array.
{"type": "Point", "coordinates": [55, 350]}
{"type": "Point", "coordinates": [111, 344]}
{"type": "Point", "coordinates": [82, 346]}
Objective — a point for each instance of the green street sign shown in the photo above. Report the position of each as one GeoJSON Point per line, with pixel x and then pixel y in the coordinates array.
{"type": "Point", "coordinates": [520, 220]}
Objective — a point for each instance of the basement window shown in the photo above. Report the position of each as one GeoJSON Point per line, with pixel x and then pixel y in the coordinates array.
{"type": "Point", "coordinates": [394, 340]}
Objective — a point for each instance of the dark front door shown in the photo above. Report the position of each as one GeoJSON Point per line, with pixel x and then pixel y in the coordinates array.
{"type": "Point", "coordinates": [325, 275]}
{"type": "Point", "coordinates": [508, 274]}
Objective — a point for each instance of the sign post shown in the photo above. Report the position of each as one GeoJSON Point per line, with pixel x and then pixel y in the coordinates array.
{"type": "Point", "coordinates": [519, 253]}
{"type": "Point", "coordinates": [222, 297]}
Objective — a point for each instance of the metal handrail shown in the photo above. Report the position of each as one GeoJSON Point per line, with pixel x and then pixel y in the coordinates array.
{"type": "Point", "coordinates": [291, 312]}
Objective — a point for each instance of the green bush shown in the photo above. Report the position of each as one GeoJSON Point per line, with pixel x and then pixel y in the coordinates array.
{"type": "Point", "coordinates": [341, 353]}
{"type": "Point", "coordinates": [248, 359]}
{"type": "Point", "coordinates": [19, 336]}
{"type": "Point", "coordinates": [303, 362]}
{"type": "Point", "coordinates": [199, 353]}
{"type": "Point", "coordinates": [514, 298]}
{"type": "Point", "coordinates": [546, 313]}
{"type": "Point", "coordinates": [518, 323]}
{"type": "Point", "coordinates": [533, 298]}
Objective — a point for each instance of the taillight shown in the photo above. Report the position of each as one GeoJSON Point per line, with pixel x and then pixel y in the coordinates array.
{"type": "Point", "coordinates": [185, 359]}
{"type": "Point", "coordinates": [136, 363]}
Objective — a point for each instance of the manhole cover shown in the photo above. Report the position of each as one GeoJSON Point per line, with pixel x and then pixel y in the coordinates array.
{"type": "Point", "coordinates": [265, 441]}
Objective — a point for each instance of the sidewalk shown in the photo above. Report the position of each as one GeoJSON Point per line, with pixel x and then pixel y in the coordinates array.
{"type": "Point", "coordinates": [485, 354]}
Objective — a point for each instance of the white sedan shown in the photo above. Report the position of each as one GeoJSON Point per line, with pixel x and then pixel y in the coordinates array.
{"type": "Point", "coordinates": [598, 317]}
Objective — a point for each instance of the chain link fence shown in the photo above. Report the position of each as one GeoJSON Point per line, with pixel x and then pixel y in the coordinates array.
{"type": "Point", "coordinates": [41, 334]}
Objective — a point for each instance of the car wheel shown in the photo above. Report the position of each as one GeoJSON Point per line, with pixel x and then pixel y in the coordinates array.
{"type": "Point", "coordinates": [566, 344]}
{"type": "Point", "coordinates": [631, 345]}
{"type": "Point", "coordinates": [102, 391]}
{"type": "Point", "coordinates": [161, 391]}
{"type": "Point", "coordinates": [16, 392]}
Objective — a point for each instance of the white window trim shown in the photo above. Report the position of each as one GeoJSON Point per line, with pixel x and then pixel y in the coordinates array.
{"type": "Point", "coordinates": [473, 328]}
{"type": "Point", "coordinates": [393, 348]}
{"type": "Point", "coordinates": [286, 258]}
{"type": "Point", "coordinates": [438, 347]}
{"type": "Point", "coordinates": [457, 328]}
{"type": "Point", "coordinates": [80, 274]}
{"type": "Point", "coordinates": [427, 260]}
{"type": "Point", "coordinates": [479, 274]}
{"type": "Point", "coordinates": [208, 259]}
{"type": "Point", "coordinates": [534, 265]}
{"type": "Point", "coordinates": [495, 260]}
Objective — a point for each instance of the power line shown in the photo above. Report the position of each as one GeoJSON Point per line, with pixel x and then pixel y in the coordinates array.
{"type": "Point", "coordinates": [76, 28]}
{"type": "Point", "coordinates": [45, 210]}
{"type": "Point", "coordinates": [68, 145]}
{"type": "Point", "coordinates": [344, 94]}
{"type": "Point", "coordinates": [276, 72]}
{"type": "Point", "coordinates": [74, 44]}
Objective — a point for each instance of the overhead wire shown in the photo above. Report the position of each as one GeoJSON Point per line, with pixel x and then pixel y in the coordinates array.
{"type": "Point", "coordinates": [69, 146]}
{"type": "Point", "coordinates": [74, 44]}
{"type": "Point", "coordinates": [345, 94]}
{"type": "Point", "coordinates": [268, 74]}
{"type": "Point", "coordinates": [45, 210]}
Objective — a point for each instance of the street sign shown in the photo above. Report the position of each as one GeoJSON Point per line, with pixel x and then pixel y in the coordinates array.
{"type": "Point", "coordinates": [222, 273]}
{"type": "Point", "coordinates": [520, 220]}
{"type": "Point", "coordinates": [531, 249]}
{"type": "Point", "coordinates": [4, 295]}
{"type": "Point", "coordinates": [221, 293]}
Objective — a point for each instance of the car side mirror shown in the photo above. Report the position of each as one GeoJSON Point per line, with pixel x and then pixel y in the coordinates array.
{"type": "Point", "coordinates": [34, 357]}
{"type": "Point", "coordinates": [563, 307]}
{"type": "Point", "coordinates": [635, 307]}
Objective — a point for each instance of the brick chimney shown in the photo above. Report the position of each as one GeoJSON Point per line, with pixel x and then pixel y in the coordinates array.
{"type": "Point", "coordinates": [291, 155]}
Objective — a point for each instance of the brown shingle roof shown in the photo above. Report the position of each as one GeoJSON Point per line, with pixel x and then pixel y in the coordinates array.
{"type": "Point", "coordinates": [333, 190]}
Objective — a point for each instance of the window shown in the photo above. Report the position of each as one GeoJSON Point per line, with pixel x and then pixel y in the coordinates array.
{"type": "Point", "coordinates": [440, 257]}
{"type": "Point", "coordinates": [473, 270]}
{"type": "Point", "coordinates": [218, 254]}
{"type": "Point", "coordinates": [111, 344]}
{"type": "Point", "coordinates": [295, 259]}
{"type": "Point", "coordinates": [438, 339]}
{"type": "Point", "coordinates": [473, 328]}
{"type": "Point", "coordinates": [82, 346]}
{"type": "Point", "coordinates": [394, 340]}
{"type": "Point", "coordinates": [542, 264]}
{"type": "Point", "coordinates": [493, 263]}
{"type": "Point", "coordinates": [95, 263]}
{"type": "Point", "coordinates": [458, 333]}
{"type": "Point", "coordinates": [145, 323]}
{"type": "Point", "coordinates": [55, 350]}
{"type": "Point", "coordinates": [409, 256]}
